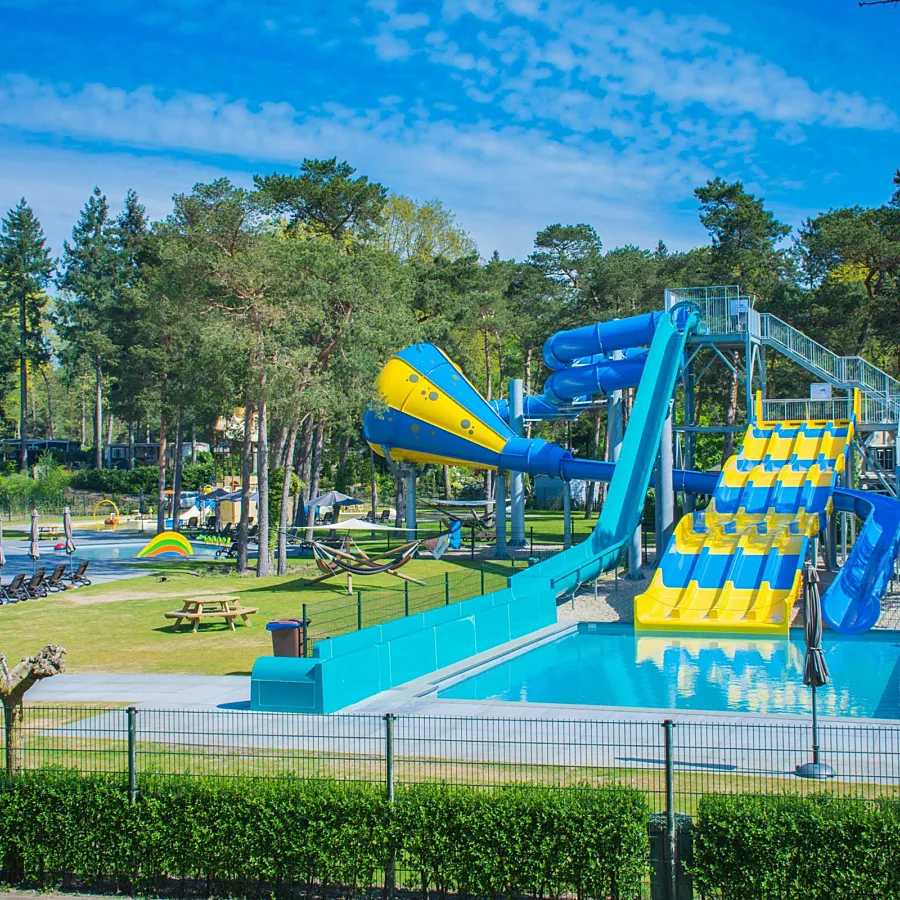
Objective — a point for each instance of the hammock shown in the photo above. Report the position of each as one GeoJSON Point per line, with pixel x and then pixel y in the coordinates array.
{"type": "Point", "coordinates": [331, 562]}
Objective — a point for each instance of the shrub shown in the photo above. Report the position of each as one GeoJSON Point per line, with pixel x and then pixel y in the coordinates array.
{"type": "Point", "coordinates": [819, 847]}
{"type": "Point", "coordinates": [256, 836]}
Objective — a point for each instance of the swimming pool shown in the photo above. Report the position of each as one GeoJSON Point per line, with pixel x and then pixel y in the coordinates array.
{"type": "Point", "coordinates": [612, 665]}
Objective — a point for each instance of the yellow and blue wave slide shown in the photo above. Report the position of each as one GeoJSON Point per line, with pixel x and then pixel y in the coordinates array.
{"type": "Point", "coordinates": [737, 565]}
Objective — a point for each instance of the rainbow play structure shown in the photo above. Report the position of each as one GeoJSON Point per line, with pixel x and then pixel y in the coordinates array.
{"type": "Point", "coordinates": [733, 567]}
{"type": "Point", "coordinates": [166, 542]}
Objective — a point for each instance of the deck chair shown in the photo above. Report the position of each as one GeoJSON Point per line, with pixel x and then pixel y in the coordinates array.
{"type": "Point", "coordinates": [15, 590]}
{"type": "Point", "coordinates": [36, 586]}
{"type": "Point", "coordinates": [227, 529]}
{"type": "Point", "coordinates": [55, 582]}
{"type": "Point", "coordinates": [79, 576]}
{"type": "Point", "coordinates": [385, 515]}
{"type": "Point", "coordinates": [193, 522]}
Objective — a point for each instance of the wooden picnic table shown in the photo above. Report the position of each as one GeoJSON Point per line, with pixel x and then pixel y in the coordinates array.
{"type": "Point", "coordinates": [224, 606]}
{"type": "Point", "coordinates": [50, 531]}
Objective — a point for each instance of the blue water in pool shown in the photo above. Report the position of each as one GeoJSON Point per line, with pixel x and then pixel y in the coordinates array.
{"type": "Point", "coordinates": [611, 665]}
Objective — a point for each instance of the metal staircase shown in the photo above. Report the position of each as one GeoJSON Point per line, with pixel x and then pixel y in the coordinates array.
{"type": "Point", "coordinates": [729, 316]}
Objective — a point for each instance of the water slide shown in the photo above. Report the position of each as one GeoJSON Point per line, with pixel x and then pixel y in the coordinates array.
{"type": "Point", "coordinates": [594, 359]}
{"type": "Point", "coordinates": [737, 565]}
{"type": "Point", "coordinates": [434, 414]}
{"type": "Point", "coordinates": [852, 603]}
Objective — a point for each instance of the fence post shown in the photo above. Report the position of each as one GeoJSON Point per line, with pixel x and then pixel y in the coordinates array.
{"type": "Point", "coordinates": [482, 579]}
{"type": "Point", "coordinates": [668, 727]}
{"type": "Point", "coordinates": [391, 868]}
{"type": "Point", "coordinates": [304, 625]}
{"type": "Point", "coordinates": [446, 588]}
{"type": "Point", "coordinates": [405, 598]}
{"type": "Point", "coordinates": [359, 610]}
{"type": "Point", "coordinates": [531, 541]}
{"type": "Point", "coordinates": [131, 712]}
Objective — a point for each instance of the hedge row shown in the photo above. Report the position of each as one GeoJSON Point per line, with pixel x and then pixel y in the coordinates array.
{"type": "Point", "coordinates": [255, 837]}
{"type": "Point", "coordinates": [750, 847]}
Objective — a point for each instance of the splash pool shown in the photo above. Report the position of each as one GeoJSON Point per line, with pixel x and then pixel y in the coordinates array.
{"type": "Point", "coordinates": [612, 665]}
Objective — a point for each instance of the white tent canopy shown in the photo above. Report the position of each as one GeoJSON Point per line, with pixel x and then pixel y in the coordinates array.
{"type": "Point", "coordinates": [357, 525]}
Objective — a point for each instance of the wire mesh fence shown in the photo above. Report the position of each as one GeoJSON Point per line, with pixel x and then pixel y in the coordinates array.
{"type": "Point", "coordinates": [364, 608]}
{"type": "Point", "coordinates": [704, 757]}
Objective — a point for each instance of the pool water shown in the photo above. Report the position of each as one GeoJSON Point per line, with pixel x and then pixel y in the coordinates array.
{"type": "Point", "coordinates": [612, 665]}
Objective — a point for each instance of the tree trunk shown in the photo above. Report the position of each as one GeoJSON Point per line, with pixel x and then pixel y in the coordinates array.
{"type": "Point", "coordinates": [14, 683]}
{"type": "Point", "coordinates": [286, 498]}
{"type": "Point", "coordinates": [246, 466]}
{"type": "Point", "coordinates": [131, 445]}
{"type": "Point", "coordinates": [399, 497]}
{"type": "Point", "coordinates": [193, 445]}
{"type": "Point", "coordinates": [279, 445]}
{"type": "Point", "coordinates": [488, 370]}
{"type": "Point", "coordinates": [98, 418]}
{"type": "Point", "coordinates": [23, 390]}
{"type": "Point", "coordinates": [176, 474]}
{"type": "Point", "coordinates": [448, 488]}
{"type": "Point", "coordinates": [161, 481]}
{"type": "Point", "coordinates": [591, 489]}
{"type": "Point", "coordinates": [373, 486]}
{"type": "Point", "coordinates": [110, 424]}
{"type": "Point", "coordinates": [263, 559]}
{"type": "Point", "coordinates": [51, 423]}
{"type": "Point", "coordinates": [315, 471]}
{"type": "Point", "coordinates": [342, 461]}
{"type": "Point", "coordinates": [731, 412]}
{"type": "Point", "coordinates": [303, 465]}
{"type": "Point", "coordinates": [83, 432]}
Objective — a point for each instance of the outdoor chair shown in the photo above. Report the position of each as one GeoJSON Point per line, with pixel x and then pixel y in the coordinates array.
{"type": "Point", "coordinates": [229, 552]}
{"type": "Point", "coordinates": [226, 530]}
{"type": "Point", "coordinates": [55, 581]}
{"type": "Point", "coordinates": [79, 576]}
{"type": "Point", "coordinates": [385, 515]}
{"type": "Point", "coordinates": [193, 522]}
{"type": "Point", "coordinates": [14, 591]}
{"type": "Point", "coordinates": [36, 586]}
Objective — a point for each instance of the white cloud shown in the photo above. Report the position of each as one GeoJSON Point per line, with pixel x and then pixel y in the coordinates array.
{"type": "Point", "coordinates": [505, 183]}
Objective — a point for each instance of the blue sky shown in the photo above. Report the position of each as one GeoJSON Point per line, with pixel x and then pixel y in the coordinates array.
{"type": "Point", "coordinates": [516, 114]}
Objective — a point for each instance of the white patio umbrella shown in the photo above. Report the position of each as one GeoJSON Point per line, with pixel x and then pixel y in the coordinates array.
{"type": "Point", "coordinates": [34, 551]}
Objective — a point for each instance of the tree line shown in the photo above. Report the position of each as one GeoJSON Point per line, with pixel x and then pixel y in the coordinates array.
{"type": "Point", "coordinates": [284, 300]}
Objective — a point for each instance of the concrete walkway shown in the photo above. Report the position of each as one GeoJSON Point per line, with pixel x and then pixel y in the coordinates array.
{"type": "Point", "coordinates": [157, 691]}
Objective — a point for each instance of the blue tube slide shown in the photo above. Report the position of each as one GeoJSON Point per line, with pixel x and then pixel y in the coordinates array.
{"type": "Point", "coordinates": [565, 347]}
{"type": "Point", "coordinates": [852, 603]}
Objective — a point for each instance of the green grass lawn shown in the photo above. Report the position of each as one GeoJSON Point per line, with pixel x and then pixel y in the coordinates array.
{"type": "Point", "coordinates": [120, 627]}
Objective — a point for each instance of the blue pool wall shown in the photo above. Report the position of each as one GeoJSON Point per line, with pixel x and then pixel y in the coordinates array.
{"type": "Point", "coordinates": [354, 666]}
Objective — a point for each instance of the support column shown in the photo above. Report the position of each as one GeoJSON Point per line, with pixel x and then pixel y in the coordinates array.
{"type": "Point", "coordinates": [665, 495]}
{"type": "Point", "coordinates": [410, 478]}
{"type": "Point", "coordinates": [567, 515]}
{"type": "Point", "coordinates": [500, 513]}
{"type": "Point", "coordinates": [517, 479]}
{"type": "Point", "coordinates": [615, 423]}
{"type": "Point", "coordinates": [689, 436]}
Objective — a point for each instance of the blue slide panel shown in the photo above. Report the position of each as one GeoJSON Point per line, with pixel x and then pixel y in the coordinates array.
{"type": "Point", "coordinates": [852, 603]}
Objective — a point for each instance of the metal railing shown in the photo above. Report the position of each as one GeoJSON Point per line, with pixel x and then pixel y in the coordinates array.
{"type": "Point", "coordinates": [802, 410]}
{"type": "Point", "coordinates": [706, 756]}
{"type": "Point", "coordinates": [354, 612]}
{"type": "Point", "coordinates": [728, 313]}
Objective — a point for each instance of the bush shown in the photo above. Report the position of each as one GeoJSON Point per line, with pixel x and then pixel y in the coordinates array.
{"type": "Point", "coordinates": [819, 847]}
{"type": "Point", "coordinates": [257, 836]}
{"type": "Point", "coordinates": [521, 841]}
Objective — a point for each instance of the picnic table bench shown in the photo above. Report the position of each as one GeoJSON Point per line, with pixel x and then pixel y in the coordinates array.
{"type": "Point", "coordinates": [220, 606]}
{"type": "Point", "coordinates": [50, 531]}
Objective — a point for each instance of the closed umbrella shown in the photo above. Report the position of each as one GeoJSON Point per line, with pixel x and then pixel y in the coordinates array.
{"type": "Point", "coordinates": [34, 551]}
{"type": "Point", "coordinates": [67, 531]}
{"type": "Point", "coordinates": [815, 669]}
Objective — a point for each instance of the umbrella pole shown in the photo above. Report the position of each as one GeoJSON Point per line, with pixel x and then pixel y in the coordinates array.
{"type": "Point", "coordinates": [815, 728]}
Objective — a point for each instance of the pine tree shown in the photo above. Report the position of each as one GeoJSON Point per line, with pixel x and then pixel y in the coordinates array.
{"type": "Point", "coordinates": [25, 271]}
{"type": "Point", "coordinates": [89, 280]}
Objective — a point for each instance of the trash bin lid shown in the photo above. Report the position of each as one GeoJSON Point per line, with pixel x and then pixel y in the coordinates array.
{"type": "Point", "coordinates": [282, 624]}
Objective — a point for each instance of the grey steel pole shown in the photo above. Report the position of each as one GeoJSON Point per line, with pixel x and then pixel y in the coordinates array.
{"type": "Point", "coordinates": [411, 503]}
{"type": "Point", "coordinates": [500, 515]}
{"type": "Point", "coordinates": [517, 479]}
{"type": "Point", "coordinates": [567, 515]}
{"type": "Point", "coordinates": [390, 876]}
{"type": "Point", "coordinates": [132, 754]}
{"type": "Point", "coordinates": [665, 495]}
{"type": "Point", "coordinates": [668, 726]}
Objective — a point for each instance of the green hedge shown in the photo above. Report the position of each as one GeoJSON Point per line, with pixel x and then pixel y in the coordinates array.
{"type": "Point", "coordinates": [254, 837]}
{"type": "Point", "coordinates": [784, 848]}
